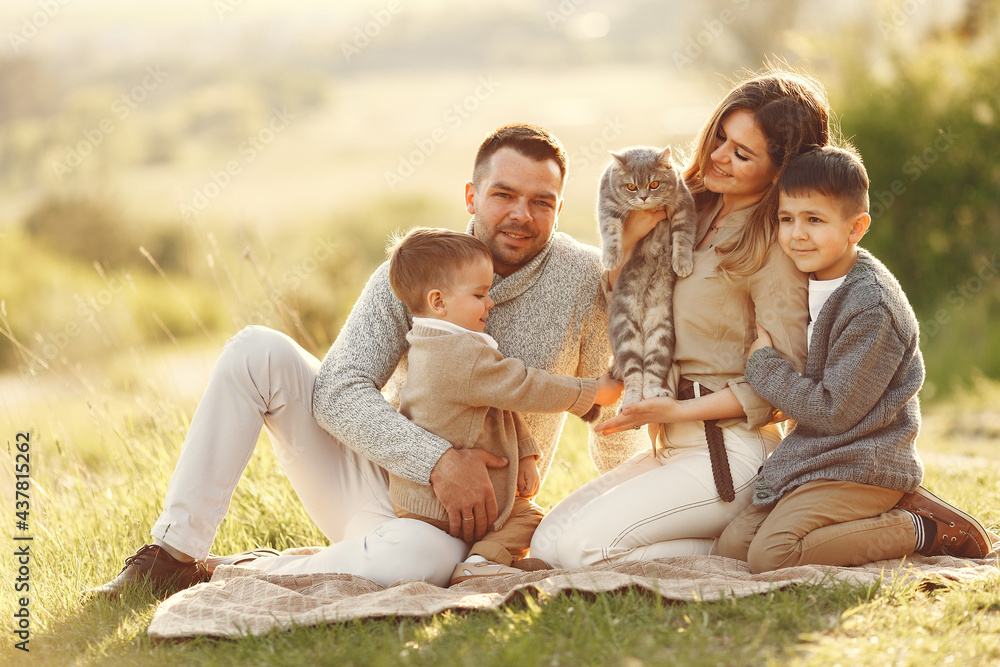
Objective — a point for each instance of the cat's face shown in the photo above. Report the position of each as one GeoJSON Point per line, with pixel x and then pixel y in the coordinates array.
{"type": "Point", "coordinates": [644, 178]}
{"type": "Point", "coordinates": [515, 207]}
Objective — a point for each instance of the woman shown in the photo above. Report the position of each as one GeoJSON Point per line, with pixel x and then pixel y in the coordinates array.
{"type": "Point", "coordinates": [667, 502]}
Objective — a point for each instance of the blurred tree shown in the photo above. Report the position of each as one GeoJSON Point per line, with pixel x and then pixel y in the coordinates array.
{"type": "Point", "coordinates": [928, 132]}
{"type": "Point", "coordinates": [79, 227]}
{"type": "Point", "coordinates": [93, 230]}
{"type": "Point", "coordinates": [760, 29]}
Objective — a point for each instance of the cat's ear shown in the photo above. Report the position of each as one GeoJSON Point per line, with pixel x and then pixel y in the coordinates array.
{"type": "Point", "coordinates": [619, 157]}
{"type": "Point", "coordinates": [665, 157]}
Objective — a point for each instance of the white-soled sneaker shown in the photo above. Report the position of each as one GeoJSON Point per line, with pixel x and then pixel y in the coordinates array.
{"type": "Point", "coordinates": [243, 558]}
{"type": "Point", "coordinates": [464, 571]}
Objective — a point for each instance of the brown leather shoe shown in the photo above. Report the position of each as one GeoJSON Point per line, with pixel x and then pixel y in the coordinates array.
{"type": "Point", "coordinates": [243, 558]}
{"type": "Point", "coordinates": [154, 569]}
{"type": "Point", "coordinates": [958, 534]}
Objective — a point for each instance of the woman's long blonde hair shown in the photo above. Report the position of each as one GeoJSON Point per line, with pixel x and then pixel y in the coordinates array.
{"type": "Point", "coordinates": [792, 111]}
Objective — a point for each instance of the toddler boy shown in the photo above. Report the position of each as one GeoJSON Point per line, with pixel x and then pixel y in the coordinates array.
{"type": "Point", "coordinates": [459, 387]}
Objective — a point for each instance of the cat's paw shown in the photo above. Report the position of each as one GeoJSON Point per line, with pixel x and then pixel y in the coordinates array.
{"type": "Point", "coordinates": [683, 266]}
{"type": "Point", "coordinates": [656, 391]}
{"type": "Point", "coordinates": [611, 258]}
{"type": "Point", "coordinates": [629, 397]}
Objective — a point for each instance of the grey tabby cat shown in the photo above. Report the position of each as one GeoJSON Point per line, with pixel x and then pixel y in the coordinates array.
{"type": "Point", "coordinates": [640, 320]}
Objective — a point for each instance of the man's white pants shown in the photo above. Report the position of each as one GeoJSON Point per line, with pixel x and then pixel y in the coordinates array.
{"type": "Point", "coordinates": [655, 506]}
{"type": "Point", "coordinates": [264, 378]}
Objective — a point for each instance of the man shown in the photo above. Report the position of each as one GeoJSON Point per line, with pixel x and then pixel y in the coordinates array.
{"type": "Point", "coordinates": [335, 433]}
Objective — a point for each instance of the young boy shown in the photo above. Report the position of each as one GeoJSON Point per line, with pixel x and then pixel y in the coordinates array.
{"type": "Point", "coordinates": [843, 487]}
{"type": "Point", "coordinates": [459, 387]}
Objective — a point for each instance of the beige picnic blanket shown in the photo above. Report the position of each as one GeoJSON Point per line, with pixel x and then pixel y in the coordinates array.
{"type": "Point", "coordinates": [241, 601]}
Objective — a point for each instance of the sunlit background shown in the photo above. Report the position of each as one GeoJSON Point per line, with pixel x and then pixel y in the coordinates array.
{"type": "Point", "coordinates": [172, 171]}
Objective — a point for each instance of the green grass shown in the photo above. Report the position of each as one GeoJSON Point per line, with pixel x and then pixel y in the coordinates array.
{"type": "Point", "coordinates": [101, 465]}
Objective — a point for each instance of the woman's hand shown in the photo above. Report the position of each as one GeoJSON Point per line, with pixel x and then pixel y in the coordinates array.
{"type": "Point", "coordinates": [637, 224]}
{"type": "Point", "coordinates": [660, 410]}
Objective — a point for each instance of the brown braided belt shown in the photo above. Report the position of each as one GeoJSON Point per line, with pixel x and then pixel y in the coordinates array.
{"type": "Point", "coordinates": [716, 444]}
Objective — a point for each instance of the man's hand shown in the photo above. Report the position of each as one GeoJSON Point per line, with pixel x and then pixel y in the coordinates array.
{"type": "Point", "coordinates": [461, 482]}
{"type": "Point", "coordinates": [528, 481]}
{"type": "Point", "coordinates": [763, 340]}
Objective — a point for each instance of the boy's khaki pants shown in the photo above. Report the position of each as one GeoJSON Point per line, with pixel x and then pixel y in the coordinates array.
{"type": "Point", "coordinates": [822, 522]}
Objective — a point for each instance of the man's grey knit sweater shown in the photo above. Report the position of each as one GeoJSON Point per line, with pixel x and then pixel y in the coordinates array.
{"type": "Point", "coordinates": [856, 406]}
{"type": "Point", "coordinates": [550, 314]}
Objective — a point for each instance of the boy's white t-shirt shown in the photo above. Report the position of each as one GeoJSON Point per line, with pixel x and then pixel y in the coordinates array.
{"type": "Point", "coordinates": [445, 325]}
{"type": "Point", "coordinates": [819, 292]}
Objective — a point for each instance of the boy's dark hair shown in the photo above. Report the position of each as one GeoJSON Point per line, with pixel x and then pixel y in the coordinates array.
{"type": "Point", "coordinates": [531, 141]}
{"type": "Point", "coordinates": [428, 258]}
{"type": "Point", "coordinates": [833, 171]}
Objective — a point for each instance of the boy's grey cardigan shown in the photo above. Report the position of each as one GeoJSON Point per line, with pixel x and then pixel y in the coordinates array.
{"type": "Point", "coordinates": [856, 406]}
{"type": "Point", "coordinates": [550, 314]}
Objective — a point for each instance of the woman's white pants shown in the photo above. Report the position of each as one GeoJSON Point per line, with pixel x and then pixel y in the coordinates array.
{"type": "Point", "coordinates": [654, 506]}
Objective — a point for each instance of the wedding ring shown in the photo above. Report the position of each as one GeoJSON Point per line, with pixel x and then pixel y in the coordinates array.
{"type": "Point", "coordinates": [637, 427]}
{"type": "Point", "coordinates": [468, 518]}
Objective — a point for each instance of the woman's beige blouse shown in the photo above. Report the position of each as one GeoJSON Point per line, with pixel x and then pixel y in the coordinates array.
{"type": "Point", "coordinates": [714, 318]}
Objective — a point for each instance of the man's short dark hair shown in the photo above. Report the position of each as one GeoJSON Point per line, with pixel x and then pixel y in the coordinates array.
{"type": "Point", "coordinates": [428, 258]}
{"type": "Point", "coordinates": [833, 171]}
{"type": "Point", "coordinates": [529, 140]}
